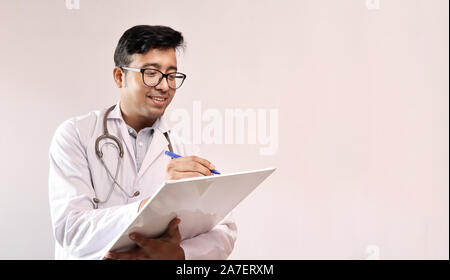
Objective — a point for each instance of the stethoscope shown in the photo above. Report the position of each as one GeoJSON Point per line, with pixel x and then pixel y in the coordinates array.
{"type": "Point", "coordinates": [117, 144]}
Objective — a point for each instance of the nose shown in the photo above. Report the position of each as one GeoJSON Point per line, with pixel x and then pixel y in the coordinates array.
{"type": "Point", "coordinates": [163, 85]}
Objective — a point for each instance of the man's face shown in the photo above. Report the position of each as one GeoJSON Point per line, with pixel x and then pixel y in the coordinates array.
{"type": "Point", "coordinates": [139, 98]}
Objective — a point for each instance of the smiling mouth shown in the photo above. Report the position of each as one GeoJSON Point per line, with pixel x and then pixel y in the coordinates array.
{"type": "Point", "coordinates": [158, 100]}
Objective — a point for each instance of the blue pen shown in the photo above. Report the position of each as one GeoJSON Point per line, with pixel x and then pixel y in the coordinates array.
{"type": "Point", "coordinates": [172, 155]}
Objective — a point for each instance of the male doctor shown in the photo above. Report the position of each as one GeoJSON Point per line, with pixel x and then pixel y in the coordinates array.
{"type": "Point", "coordinates": [88, 209]}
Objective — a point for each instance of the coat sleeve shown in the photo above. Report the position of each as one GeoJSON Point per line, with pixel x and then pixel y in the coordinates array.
{"type": "Point", "coordinates": [216, 244]}
{"type": "Point", "coordinates": [82, 231]}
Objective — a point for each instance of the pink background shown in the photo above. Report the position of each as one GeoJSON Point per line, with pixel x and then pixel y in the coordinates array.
{"type": "Point", "coordinates": [362, 96]}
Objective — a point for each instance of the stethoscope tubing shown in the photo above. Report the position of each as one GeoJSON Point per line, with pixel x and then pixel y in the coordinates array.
{"type": "Point", "coordinates": [117, 144]}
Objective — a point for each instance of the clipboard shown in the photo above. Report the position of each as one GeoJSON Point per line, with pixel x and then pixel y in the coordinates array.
{"type": "Point", "coordinates": [199, 202]}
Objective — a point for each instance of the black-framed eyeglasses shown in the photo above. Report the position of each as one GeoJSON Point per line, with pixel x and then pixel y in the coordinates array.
{"type": "Point", "coordinates": [152, 77]}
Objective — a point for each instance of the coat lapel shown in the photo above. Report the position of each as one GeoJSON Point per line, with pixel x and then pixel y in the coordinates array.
{"type": "Point", "coordinates": [158, 145]}
{"type": "Point", "coordinates": [156, 148]}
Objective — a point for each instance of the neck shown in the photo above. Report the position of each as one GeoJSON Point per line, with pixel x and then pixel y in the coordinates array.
{"type": "Point", "coordinates": [136, 121]}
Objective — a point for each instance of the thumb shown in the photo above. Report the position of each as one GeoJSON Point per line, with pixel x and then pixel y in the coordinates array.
{"type": "Point", "coordinates": [172, 231]}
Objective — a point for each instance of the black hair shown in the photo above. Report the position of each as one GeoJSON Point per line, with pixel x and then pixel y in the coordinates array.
{"type": "Point", "coordinates": [142, 38]}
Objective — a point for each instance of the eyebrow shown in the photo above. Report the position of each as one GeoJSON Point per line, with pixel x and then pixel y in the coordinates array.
{"type": "Point", "coordinates": [156, 65]}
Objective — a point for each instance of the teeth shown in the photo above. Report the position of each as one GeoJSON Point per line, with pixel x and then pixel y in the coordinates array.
{"type": "Point", "coordinates": [158, 99]}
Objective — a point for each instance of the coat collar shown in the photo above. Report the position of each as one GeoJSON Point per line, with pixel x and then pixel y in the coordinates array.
{"type": "Point", "coordinates": [160, 123]}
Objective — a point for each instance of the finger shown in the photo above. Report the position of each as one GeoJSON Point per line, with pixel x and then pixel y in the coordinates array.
{"type": "Point", "coordinates": [186, 165]}
{"type": "Point", "coordinates": [180, 175]}
{"type": "Point", "coordinates": [173, 233]}
{"type": "Point", "coordinates": [130, 255]}
{"type": "Point", "coordinates": [175, 222]}
{"type": "Point", "coordinates": [139, 239]}
{"type": "Point", "coordinates": [202, 161]}
{"type": "Point", "coordinates": [192, 166]}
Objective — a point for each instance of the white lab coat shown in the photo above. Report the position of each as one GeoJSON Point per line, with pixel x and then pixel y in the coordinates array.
{"type": "Point", "coordinates": [82, 232]}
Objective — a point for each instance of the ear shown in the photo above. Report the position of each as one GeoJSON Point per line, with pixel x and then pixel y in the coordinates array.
{"type": "Point", "coordinates": [119, 77]}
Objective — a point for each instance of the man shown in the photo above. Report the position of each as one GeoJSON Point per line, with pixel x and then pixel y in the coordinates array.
{"type": "Point", "coordinates": [91, 203]}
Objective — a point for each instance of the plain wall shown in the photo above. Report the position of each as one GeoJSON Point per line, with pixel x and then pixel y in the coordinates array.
{"type": "Point", "coordinates": [360, 87]}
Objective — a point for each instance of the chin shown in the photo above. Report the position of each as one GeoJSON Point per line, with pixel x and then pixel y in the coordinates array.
{"type": "Point", "coordinates": [155, 112]}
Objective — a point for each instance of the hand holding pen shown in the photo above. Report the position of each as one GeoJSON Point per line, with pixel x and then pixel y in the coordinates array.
{"type": "Point", "coordinates": [189, 166]}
